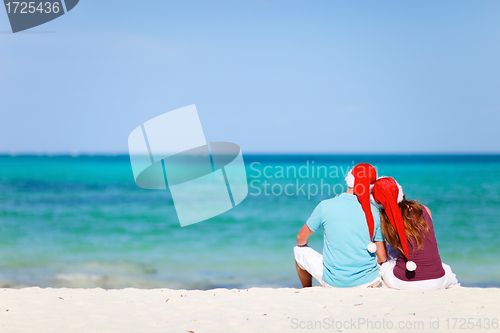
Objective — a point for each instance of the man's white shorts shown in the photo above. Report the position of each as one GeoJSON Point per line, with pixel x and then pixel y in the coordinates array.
{"type": "Point", "coordinates": [312, 261]}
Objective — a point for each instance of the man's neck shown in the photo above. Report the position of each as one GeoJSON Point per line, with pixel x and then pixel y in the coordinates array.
{"type": "Point", "coordinates": [350, 190]}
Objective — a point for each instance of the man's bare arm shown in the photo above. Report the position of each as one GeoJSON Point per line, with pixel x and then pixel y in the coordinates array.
{"type": "Point", "coordinates": [303, 235]}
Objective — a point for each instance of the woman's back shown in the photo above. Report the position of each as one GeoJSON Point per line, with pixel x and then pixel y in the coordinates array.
{"type": "Point", "coordinates": [427, 259]}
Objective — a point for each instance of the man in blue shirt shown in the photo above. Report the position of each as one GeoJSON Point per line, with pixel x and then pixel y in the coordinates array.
{"type": "Point", "coordinates": [353, 241]}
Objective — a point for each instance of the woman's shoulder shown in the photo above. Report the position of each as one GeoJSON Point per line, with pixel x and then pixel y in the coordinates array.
{"type": "Point", "coordinates": [427, 210]}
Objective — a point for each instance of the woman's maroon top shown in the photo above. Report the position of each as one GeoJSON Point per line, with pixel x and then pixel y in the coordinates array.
{"type": "Point", "coordinates": [428, 261]}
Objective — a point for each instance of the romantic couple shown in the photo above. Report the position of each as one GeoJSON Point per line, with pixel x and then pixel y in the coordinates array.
{"type": "Point", "coordinates": [355, 236]}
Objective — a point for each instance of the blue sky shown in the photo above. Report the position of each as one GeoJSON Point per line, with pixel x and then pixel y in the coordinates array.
{"type": "Point", "coordinates": [271, 76]}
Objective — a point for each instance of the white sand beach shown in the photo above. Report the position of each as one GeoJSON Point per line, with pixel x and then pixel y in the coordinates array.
{"type": "Point", "coordinates": [314, 309]}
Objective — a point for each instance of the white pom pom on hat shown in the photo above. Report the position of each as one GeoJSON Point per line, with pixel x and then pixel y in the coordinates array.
{"type": "Point", "coordinates": [372, 247]}
{"type": "Point", "coordinates": [411, 266]}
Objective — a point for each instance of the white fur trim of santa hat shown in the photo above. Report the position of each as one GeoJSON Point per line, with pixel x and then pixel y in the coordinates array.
{"type": "Point", "coordinates": [349, 179]}
{"type": "Point", "coordinates": [401, 194]}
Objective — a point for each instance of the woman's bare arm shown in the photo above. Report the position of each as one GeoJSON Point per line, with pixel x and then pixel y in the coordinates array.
{"type": "Point", "coordinates": [381, 252]}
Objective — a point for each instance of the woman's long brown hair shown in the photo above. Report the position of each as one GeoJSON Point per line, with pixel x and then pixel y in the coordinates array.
{"type": "Point", "coordinates": [415, 225]}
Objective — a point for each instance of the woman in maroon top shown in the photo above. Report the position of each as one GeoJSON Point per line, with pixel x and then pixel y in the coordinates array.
{"type": "Point", "coordinates": [417, 264]}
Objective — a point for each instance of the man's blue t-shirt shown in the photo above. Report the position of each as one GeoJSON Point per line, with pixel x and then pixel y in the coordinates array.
{"type": "Point", "coordinates": [346, 260]}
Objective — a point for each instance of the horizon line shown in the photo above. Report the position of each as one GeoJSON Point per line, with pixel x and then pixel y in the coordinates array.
{"type": "Point", "coordinates": [397, 153]}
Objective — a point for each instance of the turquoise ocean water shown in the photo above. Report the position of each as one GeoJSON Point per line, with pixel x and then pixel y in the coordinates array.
{"type": "Point", "coordinates": [82, 222]}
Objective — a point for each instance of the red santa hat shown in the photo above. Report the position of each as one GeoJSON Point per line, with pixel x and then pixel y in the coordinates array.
{"type": "Point", "coordinates": [361, 179]}
{"type": "Point", "coordinates": [388, 193]}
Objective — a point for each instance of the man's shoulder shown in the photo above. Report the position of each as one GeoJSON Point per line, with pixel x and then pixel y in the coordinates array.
{"type": "Point", "coordinates": [341, 197]}
{"type": "Point", "coordinates": [338, 201]}
{"type": "Point", "coordinates": [331, 200]}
